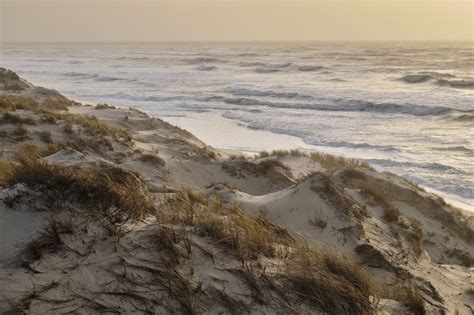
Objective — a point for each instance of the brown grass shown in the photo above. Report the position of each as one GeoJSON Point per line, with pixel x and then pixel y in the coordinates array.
{"type": "Point", "coordinates": [20, 132]}
{"type": "Point", "coordinates": [152, 159]}
{"type": "Point", "coordinates": [247, 236]}
{"type": "Point", "coordinates": [12, 102]}
{"type": "Point", "coordinates": [414, 233]}
{"type": "Point", "coordinates": [45, 136]}
{"type": "Point", "coordinates": [54, 110]}
{"type": "Point", "coordinates": [112, 193]}
{"type": "Point", "coordinates": [11, 118]}
{"type": "Point", "coordinates": [317, 220]}
{"type": "Point", "coordinates": [333, 283]}
{"type": "Point", "coordinates": [6, 170]}
{"type": "Point", "coordinates": [334, 193]}
{"type": "Point", "coordinates": [49, 241]}
{"type": "Point", "coordinates": [105, 106]}
{"type": "Point", "coordinates": [329, 162]}
{"type": "Point", "coordinates": [329, 282]}
{"type": "Point", "coordinates": [407, 294]}
{"type": "Point", "coordinates": [391, 213]}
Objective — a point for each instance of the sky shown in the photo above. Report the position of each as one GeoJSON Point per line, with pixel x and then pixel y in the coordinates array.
{"type": "Point", "coordinates": [237, 20]}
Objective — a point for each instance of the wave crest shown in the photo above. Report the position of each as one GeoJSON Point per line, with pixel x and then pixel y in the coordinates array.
{"type": "Point", "coordinates": [355, 106]}
{"type": "Point", "coordinates": [250, 92]}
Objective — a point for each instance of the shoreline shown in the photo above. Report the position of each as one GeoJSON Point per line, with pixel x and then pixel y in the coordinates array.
{"type": "Point", "coordinates": [267, 141]}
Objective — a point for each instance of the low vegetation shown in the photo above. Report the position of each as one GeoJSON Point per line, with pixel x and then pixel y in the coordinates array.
{"type": "Point", "coordinates": [333, 283]}
{"type": "Point", "coordinates": [334, 193]}
{"type": "Point", "coordinates": [413, 232]}
{"type": "Point", "coordinates": [114, 194]}
{"type": "Point", "coordinates": [326, 281]}
{"type": "Point", "coordinates": [104, 106]}
{"type": "Point", "coordinates": [406, 293]}
{"type": "Point", "coordinates": [12, 118]}
{"type": "Point", "coordinates": [49, 241]}
{"type": "Point", "coordinates": [45, 136]}
{"type": "Point", "coordinates": [53, 111]}
{"type": "Point", "coordinates": [391, 213]}
{"type": "Point", "coordinates": [248, 236]}
{"type": "Point", "coordinates": [329, 162]}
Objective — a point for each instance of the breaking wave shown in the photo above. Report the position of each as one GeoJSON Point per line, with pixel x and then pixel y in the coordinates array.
{"type": "Point", "coordinates": [265, 65]}
{"type": "Point", "coordinates": [308, 68]}
{"type": "Point", "coordinates": [206, 68]}
{"type": "Point", "coordinates": [355, 106]}
{"type": "Point", "coordinates": [199, 60]}
{"type": "Point", "coordinates": [251, 92]}
{"type": "Point", "coordinates": [416, 78]}
{"type": "Point", "coordinates": [96, 77]}
{"type": "Point", "coordinates": [440, 79]}
{"type": "Point", "coordinates": [266, 70]}
{"type": "Point", "coordinates": [458, 84]}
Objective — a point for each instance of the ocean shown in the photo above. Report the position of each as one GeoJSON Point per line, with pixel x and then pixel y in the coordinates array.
{"type": "Point", "coordinates": [403, 107]}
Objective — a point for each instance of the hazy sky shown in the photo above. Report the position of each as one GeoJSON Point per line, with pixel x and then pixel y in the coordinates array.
{"type": "Point", "coordinates": [199, 20]}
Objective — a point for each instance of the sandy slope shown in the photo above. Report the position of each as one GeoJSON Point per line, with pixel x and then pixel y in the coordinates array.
{"type": "Point", "coordinates": [323, 208]}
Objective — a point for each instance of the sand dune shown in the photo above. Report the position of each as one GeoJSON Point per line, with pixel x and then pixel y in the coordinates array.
{"type": "Point", "coordinates": [105, 209]}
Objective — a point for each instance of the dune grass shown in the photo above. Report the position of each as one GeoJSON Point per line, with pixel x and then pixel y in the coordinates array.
{"type": "Point", "coordinates": [49, 241]}
{"type": "Point", "coordinates": [406, 293]}
{"type": "Point", "coordinates": [13, 102]}
{"type": "Point", "coordinates": [112, 193]}
{"type": "Point", "coordinates": [333, 283]}
{"type": "Point", "coordinates": [247, 236]}
{"type": "Point", "coordinates": [326, 281]}
{"type": "Point", "coordinates": [12, 118]}
{"type": "Point", "coordinates": [335, 194]}
{"type": "Point", "coordinates": [6, 170]}
{"type": "Point", "coordinates": [413, 232]}
{"type": "Point", "coordinates": [52, 111]}
{"type": "Point", "coordinates": [328, 161]}
{"type": "Point", "coordinates": [391, 213]}
{"type": "Point", "coordinates": [45, 136]}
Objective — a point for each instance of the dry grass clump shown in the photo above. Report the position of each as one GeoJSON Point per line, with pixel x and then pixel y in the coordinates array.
{"type": "Point", "coordinates": [332, 162]}
{"type": "Point", "coordinates": [52, 110]}
{"type": "Point", "coordinates": [414, 233]}
{"type": "Point", "coordinates": [334, 193]}
{"type": "Point", "coordinates": [21, 133]}
{"type": "Point", "coordinates": [318, 220]}
{"type": "Point", "coordinates": [152, 159]}
{"type": "Point", "coordinates": [405, 293]}
{"type": "Point", "coordinates": [331, 283]}
{"type": "Point", "coordinates": [237, 166]}
{"type": "Point", "coordinates": [29, 151]}
{"type": "Point", "coordinates": [11, 118]}
{"type": "Point", "coordinates": [334, 284]}
{"type": "Point", "coordinates": [49, 241]}
{"type": "Point", "coordinates": [391, 213]}
{"type": "Point", "coordinates": [14, 102]}
{"type": "Point", "coordinates": [94, 127]}
{"type": "Point", "coordinates": [105, 106]}
{"type": "Point", "coordinates": [329, 162]}
{"type": "Point", "coordinates": [45, 136]}
{"type": "Point", "coordinates": [246, 235]}
{"type": "Point", "coordinates": [114, 194]}
{"type": "Point", "coordinates": [6, 170]}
